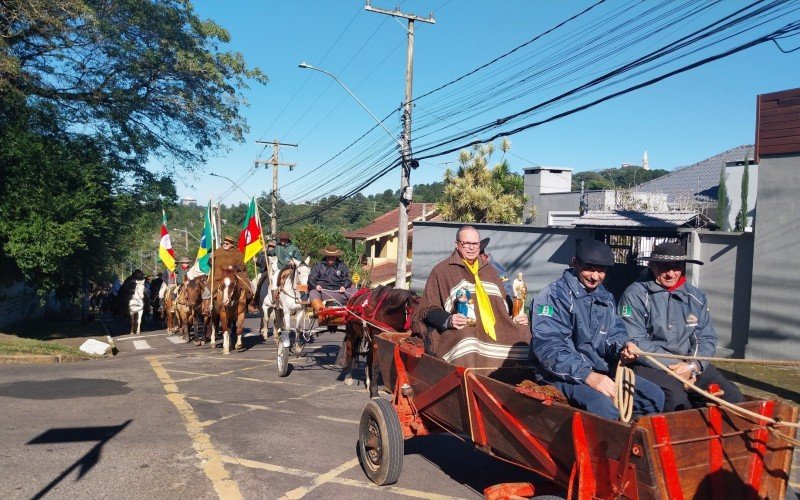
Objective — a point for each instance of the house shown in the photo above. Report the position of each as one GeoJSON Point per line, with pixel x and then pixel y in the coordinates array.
{"type": "Point", "coordinates": [692, 188]}
{"type": "Point", "coordinates": [380, 241]}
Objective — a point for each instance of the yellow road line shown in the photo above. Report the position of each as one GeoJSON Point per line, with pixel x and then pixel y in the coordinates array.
{"type": "Point", "coordinates": [320, 480]}
{"type": "Point", "coordinates": [210, 459]}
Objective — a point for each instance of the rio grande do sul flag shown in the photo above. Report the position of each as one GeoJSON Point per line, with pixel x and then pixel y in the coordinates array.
{"type": "Point", "coordinates": [165, 251]}
{"type": "Point", "coordinates": [250, 237]}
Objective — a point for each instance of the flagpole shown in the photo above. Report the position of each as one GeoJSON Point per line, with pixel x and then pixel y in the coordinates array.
{"type": "Point", "coordinates": [213, 261]}
{"type": "Point", "coordinates": [263, 243]}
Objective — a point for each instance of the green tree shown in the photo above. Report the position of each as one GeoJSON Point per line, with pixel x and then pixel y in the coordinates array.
{"type": "Point", "coordinates": [723, 206]}
{"type": "Point", "coordinates": [145, 77]}
{"type": "Point", "coordinates": [741, 219]}
{"type": "Point", "coordinates": [476, 193]}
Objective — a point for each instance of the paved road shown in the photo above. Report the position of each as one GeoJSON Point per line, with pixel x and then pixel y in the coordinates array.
{"type": "Point", "coordinates": [165, 419]}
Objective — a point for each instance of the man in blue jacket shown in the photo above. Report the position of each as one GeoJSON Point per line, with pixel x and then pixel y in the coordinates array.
{"type": "Point", "coordinates": [578, 339]}
{"type": "Point", "coordinates": [665, 314]}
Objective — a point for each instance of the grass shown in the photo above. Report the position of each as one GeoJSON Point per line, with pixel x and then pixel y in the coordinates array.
{"type": "Point", "coordinates": [11, 345]}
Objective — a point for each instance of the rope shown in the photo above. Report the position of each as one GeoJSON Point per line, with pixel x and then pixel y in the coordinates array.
{"type": "Point", "coordinates": [781, 362]}
{"type": "Point", "coordinates": [625, 382]}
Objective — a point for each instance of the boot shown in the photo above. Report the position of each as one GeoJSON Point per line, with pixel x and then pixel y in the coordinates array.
{"type": "Point", "coordinates": [317, 305]}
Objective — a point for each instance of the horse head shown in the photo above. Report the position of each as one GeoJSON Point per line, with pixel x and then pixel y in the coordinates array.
{"type": "Point", "coordinates": [228, 288]}
{"type": "Point", "coordinates": [300, 279]}
{"type": "Point", "coordinates": [398, 308]}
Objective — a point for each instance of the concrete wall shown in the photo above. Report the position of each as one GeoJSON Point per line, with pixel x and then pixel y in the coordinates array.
{"type": "Point", "coordinates": [19, 302]}
{"type": "Point", "coordinates": [726, 279]}
{"type": "Point", "coordinates": [775, 300]}
{"type": "Point", "coordinates": [540, 254]}
{"type": "Point", "coordinates": [733, 182]}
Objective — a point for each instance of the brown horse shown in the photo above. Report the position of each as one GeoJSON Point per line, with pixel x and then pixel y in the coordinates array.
{"type": "Point", "coordinates": [189, 307]}
{"type": "Point", "coordinates": [370, 312]}
{"type": "Point", "coordinates": [229, 306]}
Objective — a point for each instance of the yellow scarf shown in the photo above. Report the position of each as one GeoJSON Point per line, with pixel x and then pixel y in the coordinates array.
{"type": "Point", "coordinates": [484, 306]}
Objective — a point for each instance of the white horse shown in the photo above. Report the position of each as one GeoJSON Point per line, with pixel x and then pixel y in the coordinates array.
{"type": "Point", "coordinates": [264, 299]}
{"type": "Point", "coordinates": [136, 307]}
{"type": "Point", "coordinates": [289, 302]}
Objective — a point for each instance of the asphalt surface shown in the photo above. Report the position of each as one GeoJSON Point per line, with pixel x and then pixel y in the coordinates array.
{"type": "Point", "coordinates": [174, 420]}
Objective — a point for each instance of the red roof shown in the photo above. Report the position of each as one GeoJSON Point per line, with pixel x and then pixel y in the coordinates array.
{"type": "Point", "coordinates": [387, 223]}
{"type": "Point", "coordinates": [385, 273]}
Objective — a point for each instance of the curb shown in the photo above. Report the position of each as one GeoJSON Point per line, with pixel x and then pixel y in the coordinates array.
{"type": "Point", "coordinates": [39, 359]}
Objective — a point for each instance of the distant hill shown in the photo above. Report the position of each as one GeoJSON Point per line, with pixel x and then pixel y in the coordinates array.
{"type": "Point", "coordinates": [615, 178]}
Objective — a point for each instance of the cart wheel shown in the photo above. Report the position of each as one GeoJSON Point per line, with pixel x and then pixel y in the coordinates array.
{"type": "Point", "coordinates": [283, 360]}
{"type": "Point", "coordinates": [380, 442]}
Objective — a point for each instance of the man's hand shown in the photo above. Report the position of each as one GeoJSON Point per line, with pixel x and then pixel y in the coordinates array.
{"type": "Point", "coordinates": [521, 319]}
{"type": "Point", "coordinates": [341, 289]}
{"type": "Point", "coordinates": [629, 352]}
{"type": "Point", "coordinates": [602, 384]}
{"type": "Point", "coordinates": [319, 288]}
{"type": "Point", "coordinates": [458, 321]}
{"type": "Point", "coordinates": [682, 369]}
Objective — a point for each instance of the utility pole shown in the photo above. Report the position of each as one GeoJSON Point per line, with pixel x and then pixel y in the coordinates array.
{"type": "Point", "coordinates": [408, 163]}
{"type": "Point", "coordinates": [273, 216]}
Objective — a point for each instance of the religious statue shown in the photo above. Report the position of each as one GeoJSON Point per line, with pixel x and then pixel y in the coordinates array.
{"type": "Point", "coordinates": [465, 305]}
{"type": "Point", "coordinates": [520, 292]}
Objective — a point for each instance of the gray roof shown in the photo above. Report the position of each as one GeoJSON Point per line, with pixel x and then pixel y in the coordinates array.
{"type": "Point", "coordinates": [700, 179]}
{"type": "Point", "coordinates": [631, 219]}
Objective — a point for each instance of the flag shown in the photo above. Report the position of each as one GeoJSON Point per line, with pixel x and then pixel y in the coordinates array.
{"type": "Point", "coordinates": [206, 243]}
{"type": "Point", "coordinates": [250, 237]}
{"type": "Point", "coordinates": [165, 251]}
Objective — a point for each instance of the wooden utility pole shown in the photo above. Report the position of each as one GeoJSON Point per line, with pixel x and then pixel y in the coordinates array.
{"type": "Point", "coordinates": [408, 162]}
{"type": "Point", "coordinates": [273, 216]}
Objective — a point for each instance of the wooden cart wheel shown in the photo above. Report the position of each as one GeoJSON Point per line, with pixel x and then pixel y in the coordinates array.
{"type": "Point", "coordinates": [283, 360]}
{"type": "Point", "coordinates": [380, 442]}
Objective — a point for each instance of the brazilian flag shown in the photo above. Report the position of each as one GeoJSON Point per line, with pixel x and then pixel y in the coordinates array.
{"type": "Point", "coordinates": [206, 243]}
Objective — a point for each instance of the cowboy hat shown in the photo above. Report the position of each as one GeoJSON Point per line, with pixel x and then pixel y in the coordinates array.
{"type": "Point", "coordinates": [284, 235]}
{"type": "Point", "coordinates": [669, 252]}
{"type": "Point", "coordinates": [229, 239]}
{"type": "Point", "coordinates": [484, 244]}
{"type": "Point", "coordinates": [330, 251]}
{"type": "Point", "coordinates": [184, 260]}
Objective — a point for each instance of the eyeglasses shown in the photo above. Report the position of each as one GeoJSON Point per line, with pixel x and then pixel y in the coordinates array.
{"type": "Point", "coordinates": [469, 244]}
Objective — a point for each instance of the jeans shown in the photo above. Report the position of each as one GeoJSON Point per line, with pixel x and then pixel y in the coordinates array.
{"type": "Point", "coordinates": [647, 398]}
{"type": "Point", "coordinates": [677, 398]}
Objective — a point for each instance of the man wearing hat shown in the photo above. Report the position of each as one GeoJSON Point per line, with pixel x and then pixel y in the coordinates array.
{"type": "Point", "coordinates": [289, 257]}
{"type": "Point", "coordinates": [330, 279]}
{"type": "Point", "coordinates": [501, 271]}
{"type": "Point", "coordinates": [228, 256]}
{"type": "Point", "coordinates": [578, 339]}
{"type": "Point", "coordinates": [665, 313]}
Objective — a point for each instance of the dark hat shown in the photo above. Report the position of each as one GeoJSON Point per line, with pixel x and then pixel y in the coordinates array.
{"type": "Point", "coordinates": [184, 260]}
{"type": "Point", "coordinates": [330, 251]}
{"type": "Point", "coordinates": [229, 239]}
{"type": "Point", "coordinates": [594, 252]}
{"type": "Point", "coordinates": [484, 244]}
{"type": "Point", "coordinates": [137, 274]}
{"type": "Point", "coordinates": [669, 252]}
{"type": "Point", "coordinates": [284, 235]}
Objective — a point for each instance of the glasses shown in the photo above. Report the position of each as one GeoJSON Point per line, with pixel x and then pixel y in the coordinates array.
{"type": "Point", "coordinates": [469, 244]}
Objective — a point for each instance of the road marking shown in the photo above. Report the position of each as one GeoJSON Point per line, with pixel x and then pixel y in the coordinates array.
{"type": "Point", "coordinates": [141, 344]}
{"type": "Point", "coordinates": [175, 339]}
{"type": "Point", "coordinates": [251, 406]}
{"type": "Point", "coordinates": [210, 460]}
{"type": "Point", "coordinates": [342, 420]}
{"type": "Point", "coordinates": [264, 466]}
{"type": "Point", "coordinates": [140, 336]}
{"type": "Point", "coordinates": [320, 480]}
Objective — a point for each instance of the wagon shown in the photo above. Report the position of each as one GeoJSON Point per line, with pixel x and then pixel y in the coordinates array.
{"type": "Point", "coordinates": [699, 453]}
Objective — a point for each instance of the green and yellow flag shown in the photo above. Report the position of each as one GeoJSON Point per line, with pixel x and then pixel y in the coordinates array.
{"type": "Point", "coordinates": [206, 243]}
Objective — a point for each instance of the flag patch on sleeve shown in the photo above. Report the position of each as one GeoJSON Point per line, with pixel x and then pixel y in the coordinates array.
{"type": "Point", "coordinates": [625, 311]}
{"type": "Point", "coordinates": [544, 310]}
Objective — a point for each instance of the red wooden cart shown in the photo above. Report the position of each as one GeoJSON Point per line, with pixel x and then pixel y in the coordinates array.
{"type": "Point", "coordinates": [701, 453]}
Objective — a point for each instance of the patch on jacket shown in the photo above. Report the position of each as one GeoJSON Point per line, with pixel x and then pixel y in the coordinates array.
{"type": "Point", "coordinates": [625, 311]}
{"type": "Point", "coordinates": [544, 310]}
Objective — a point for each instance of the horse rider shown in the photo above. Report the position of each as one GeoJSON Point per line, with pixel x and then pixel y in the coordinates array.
{"type": "Point", "coordinates": [289, 257]}
{"type": "Point", "coordinates": [227, 256]}
{"type": "Point", "coordinates": [665, 313]}
{"type": "Point", "coordinates": [494, 338]}
{"type": "Point", "coordinates": [330, 279]}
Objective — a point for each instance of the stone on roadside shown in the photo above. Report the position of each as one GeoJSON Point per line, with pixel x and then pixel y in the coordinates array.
{"type": "Point", "coordinates": [95, 347]}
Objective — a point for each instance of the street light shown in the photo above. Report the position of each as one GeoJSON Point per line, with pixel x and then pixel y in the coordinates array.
{"type": "Point", "coordinates": [231, 181]}
{"type": "Point", "coordinates": [405, 187]}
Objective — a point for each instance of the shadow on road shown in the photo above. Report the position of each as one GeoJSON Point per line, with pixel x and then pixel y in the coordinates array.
{"type": "Point", "coordinates": [73, 435]}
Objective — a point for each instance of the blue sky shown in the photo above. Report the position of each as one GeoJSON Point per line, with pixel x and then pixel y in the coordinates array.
{"type": "Point", "coordinates": [679, 121]}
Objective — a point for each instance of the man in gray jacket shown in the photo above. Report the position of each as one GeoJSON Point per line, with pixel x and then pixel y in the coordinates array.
{"type": "Point", "coordinates": [665, 314]}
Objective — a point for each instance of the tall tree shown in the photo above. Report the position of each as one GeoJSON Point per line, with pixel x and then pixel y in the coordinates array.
{"type": "Point", "coordinates": [741, 219]}
{"type": "Point", "coordinates": [476, 193]}
{"type": "Point", "coordinates": [723, 206]}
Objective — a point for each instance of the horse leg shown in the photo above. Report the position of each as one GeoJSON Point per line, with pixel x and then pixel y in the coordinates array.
{"type": "Point", "coordinates": [240, 327]}
{"type": "Point", "coordinates": [133, 331]}
{"type": "Point", "coordinates": [139, 322]}
{"type": "Point", "coordinates": [350, 339]}
{"type": "Point", "coordinates": [226, 334]}
{"type": "Point", "coordinates": [372, 369]}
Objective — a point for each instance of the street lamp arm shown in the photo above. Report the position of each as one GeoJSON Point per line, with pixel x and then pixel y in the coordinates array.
{"type": "Point", "coordinates": [305, 65]}
{"type": "Point", "coordinates": [232, 182]}
{"type": "Point", "coordinates": [178, 230]}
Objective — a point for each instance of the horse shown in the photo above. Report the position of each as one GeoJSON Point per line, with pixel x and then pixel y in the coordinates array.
{"type": "Point", "coordinates": [189, 307]}
{"type": "Point", "coordinates": [264, 298]}
{"type": "Point", "coordinates": [290, 302]}
{"type": "Point", "coordinates": [370, 312]}
{"type": "Point", "coordinates": [229, 306]}
{"type": "Point", "coordinates": [170, 314]}
{"type": "Point", "coordinates": [136, 306]}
